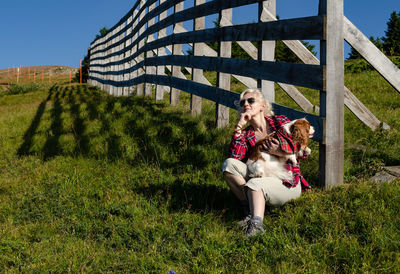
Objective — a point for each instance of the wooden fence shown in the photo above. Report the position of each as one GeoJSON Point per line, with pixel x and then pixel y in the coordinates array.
{"type": "Point", "coordinates": [133, 56]}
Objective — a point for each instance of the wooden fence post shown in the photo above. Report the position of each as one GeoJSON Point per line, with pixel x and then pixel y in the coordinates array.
{"type": "Point", "coordinates": [133, 62]}
{"type": "Point", "coordinates": [149, 54]}
{"type": "Point", "coordinates": [176, 50]}
{"type": "Point", "coordinates": [114, 59]}
{"type": "Point", "coordinates": [102, 62]}
{"type": "Point", "coordinates": [197, 74]}
{"type": "Point", "coordinates": [266, 51]}
{"type": "Point", "coordinates": [141, 57]}
{"type": "Point", "coordinates": [224, 79]}
{"type": "Point", "coordinates": [127, 43]}
{"type": "Point", "coordinates": [161, 52]}
{"type": "Point", "coordinates": [107, 61]}
{"type": "Point", "coordinates": [120, 77]}
{"type": "Point", "coordinates": [331, 151]}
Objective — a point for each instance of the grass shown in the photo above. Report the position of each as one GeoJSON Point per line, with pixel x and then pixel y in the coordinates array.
{"type": "Point", "coordinates": [94, 183]}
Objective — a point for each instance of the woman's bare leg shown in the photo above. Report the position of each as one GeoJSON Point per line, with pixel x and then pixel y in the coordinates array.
{"type": "Point", "coordinates": [236, 184]}
{"type": "Point", "coordinates": [256, 202]}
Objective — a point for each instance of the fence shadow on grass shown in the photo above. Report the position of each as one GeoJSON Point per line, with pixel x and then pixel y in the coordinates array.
{"type": "Point", "coordinates": [194, 197]}
{"type": "Point", "coordinates": [165, 137]}
{"type": "Point", "coordinates": [67, 101]}
{"type": "Point", "coordinates": [24, 149]}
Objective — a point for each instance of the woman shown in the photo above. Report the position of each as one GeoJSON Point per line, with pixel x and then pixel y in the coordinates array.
{"type": "Point", "coordinates": [254, 193]}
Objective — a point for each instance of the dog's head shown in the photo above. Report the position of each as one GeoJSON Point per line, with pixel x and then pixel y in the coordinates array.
{"type": "Point", "coordinates": [301, 130]}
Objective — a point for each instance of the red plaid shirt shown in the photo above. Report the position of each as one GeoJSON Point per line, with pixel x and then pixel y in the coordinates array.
{"type": "Point", "coordinates": [241, 144]}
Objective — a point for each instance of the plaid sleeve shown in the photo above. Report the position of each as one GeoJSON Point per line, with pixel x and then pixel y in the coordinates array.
{"type": "Point", "coordinates": [238, 147]}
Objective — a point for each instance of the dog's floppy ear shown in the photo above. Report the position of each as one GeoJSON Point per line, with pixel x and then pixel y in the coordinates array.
{"type": "Point", "coordinates": [297, 135]}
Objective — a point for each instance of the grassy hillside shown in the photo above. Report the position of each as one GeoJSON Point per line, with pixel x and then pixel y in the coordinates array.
{"type": "Point", "coordinates": [95, 183]}
{"type": "Point", "coordinates": [36, 74]}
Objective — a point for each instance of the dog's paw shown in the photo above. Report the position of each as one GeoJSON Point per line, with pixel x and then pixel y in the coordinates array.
{"type": "Point", "coordinates": [307, 150]}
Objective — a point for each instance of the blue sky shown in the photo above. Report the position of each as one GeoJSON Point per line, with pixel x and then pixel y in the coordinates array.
{"type": "Point", "coordinates": [48, 32]}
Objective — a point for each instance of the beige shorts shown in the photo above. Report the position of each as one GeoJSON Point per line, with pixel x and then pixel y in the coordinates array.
{"type": "Point", "coordinates": [275, 192]}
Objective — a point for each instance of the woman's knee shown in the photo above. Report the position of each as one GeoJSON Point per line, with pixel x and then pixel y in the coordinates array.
{"type": "Point", "coordinates": [234, 167]}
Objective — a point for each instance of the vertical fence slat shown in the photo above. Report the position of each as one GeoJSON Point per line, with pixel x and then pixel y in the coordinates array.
{"type": "Point", "coordinates": [126, 54]}
{"type": "Point", "coordinates": [120, 77]}
{"type": "Point", "coordinates": [331, 150]}
{"type": "Point", "coordinates": [161, 52]}
{"type": "Point", "coordinates": [113, 90]}
{"type": "Point", "coordinates": [176, 50]}
{"type": "Point", "coordinates": [140, 58]}
{"type": "Point", "coordinates": [133, 61]}
{"type": "Point", "coordinates": [197, 74]}
{"type": "Point", "coordinates": [150, 69]}
{"type": "Point", "coordinates": [266, 51]}
{"type": "Point", "coordinates": [224, 79]}
{"type": "Point", "coordinates": [109, 51]}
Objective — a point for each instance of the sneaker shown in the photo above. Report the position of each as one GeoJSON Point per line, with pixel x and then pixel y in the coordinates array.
{"type": "Point", "coordinates": [243, 222]}
{"type": "Point", "coordinates": [254, 228]}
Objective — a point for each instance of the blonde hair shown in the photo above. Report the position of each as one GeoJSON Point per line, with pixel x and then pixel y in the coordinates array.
{"type": "Point", "coordinates": [259, 96]}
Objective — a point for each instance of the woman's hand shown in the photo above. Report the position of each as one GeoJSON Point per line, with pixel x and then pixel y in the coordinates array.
{"type": "Point", "coordinates": [244, 118]}
{"type": "Point", "coordinates": [272, 147]}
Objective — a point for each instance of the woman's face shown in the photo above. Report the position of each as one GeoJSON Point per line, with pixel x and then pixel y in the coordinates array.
{"type": "Point", "coordinates": [251, 104]}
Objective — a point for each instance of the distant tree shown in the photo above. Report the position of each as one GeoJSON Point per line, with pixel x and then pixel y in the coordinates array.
{"type": "Point", "coordinates": [391, 43]}
{"type": "Point", "coordinates": [376, 41]}
{"type": "Point", "coordinates": [86, 59]}
{"type": "Point", "coordinates": [103, 32]}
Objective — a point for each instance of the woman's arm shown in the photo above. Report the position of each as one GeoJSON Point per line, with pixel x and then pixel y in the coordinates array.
{"type": "Point", "coordinates": [238, 146]}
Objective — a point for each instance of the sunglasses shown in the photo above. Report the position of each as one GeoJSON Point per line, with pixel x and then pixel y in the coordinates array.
{"type": "Point", "coordinates": [251, 101]}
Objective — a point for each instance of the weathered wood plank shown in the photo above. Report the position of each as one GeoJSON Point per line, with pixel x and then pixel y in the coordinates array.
{"type": "Point", "coordinates": [262, 31]}
{"type": "Point", "coordinates": [372, 54]}
{"type": "Point", "coordinates": [332, 56]}
{"type": "Point", "coordinates": [224, 80]}
{"type": "Point", "coordinates": [148, 90]}
{"type": "Point", "coordinates": [198, 24]}
{"type": "Point", "coordinates": [266, 52]}
{"type": "Point", "coordinates": [362, 113]}
{"type": "Point", "coordinates": [297, 97]}
{"type": "Point", "coordinates": [131, 60]}
{"type": "Point", "coordinates": [176, 70]}
{"type": "Point", "coordinates": [161, 52]}
{"type": "Point", "coordinates": [299, 74]}
{"type": "Point", "coordinates": [141, 56]}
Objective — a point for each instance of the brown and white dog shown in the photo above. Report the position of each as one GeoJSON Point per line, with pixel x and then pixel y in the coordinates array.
{"type": "Point", "coordinates": [262, 164]}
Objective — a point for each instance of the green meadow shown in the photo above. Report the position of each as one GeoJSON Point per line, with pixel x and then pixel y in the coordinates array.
{"type": "Point", "coordinates": [95, 183]}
